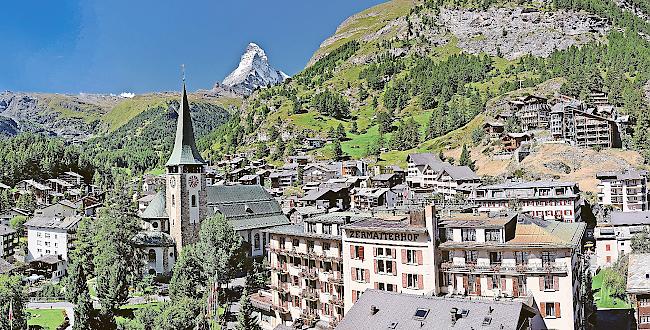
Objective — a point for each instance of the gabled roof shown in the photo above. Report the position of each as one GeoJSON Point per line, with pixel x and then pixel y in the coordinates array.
{"type": "Point", "coordinates": [459, 172]}
{"type": "Point", "coordinates": [157, 208]}
{"type": "Point", "coordinates": [423, 159]}
{"type": "Point", "coordinates": [53, 222]}
{"type": "Point", "coordinates": [246, 206]}
{"type": "Point", "coordinates": [400, 310]}
{"type": "Point", "coordinates": [185, 151]}
{"type": "Point", "coordinates": [36, 185]}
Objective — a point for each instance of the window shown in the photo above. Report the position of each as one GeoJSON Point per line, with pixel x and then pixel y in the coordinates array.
{"type": "Point", "coordinates": [421, 314]}
{"type": "Point", "coordinates": [152, 255]}
{"type": "Point", "coordinates": [469, 235]}
{"type": "Point", "coordinates": [471, 256]}
{"type": "Point", "coordinates": [310, 246]}
{"type": "Point", "coordinates": [412, 281]}
{"type": "Point", "coordinates": [521, 257]}
{"type": "Point", "coordinates": [47, 235]}
{"type": "Point", "coordinates": [547, 257]}
{"type": "Point", "coordinates": [495, 257]}
{"type": "Point", "coordinates": [327, 229]}
{"type": "Point", "coordinates": [607, 247]}
{"type": "Point", "coordinates": [548, 283]}
{"type": "Point", "coordinates": [492, 235]}
{"type": "Point", "coordinates": [311, 227]}
{"type": "Point", "coordinates": [326, 246]}
{"type": "Point", "coordinates": [193, 200]}
{"type": "Point", "coordinates": [39, 242]}
{"type": "Point", "coordinates": [47, 243]}
{"type": "Point", "coordinates": [256, 241]}
{"type": "Point", "coordinates": [644, 319]}
{"type": "Point", "coordinates": [295, 243]}
{"type": "Point", "coordinates": [495, 281]}
{"type": "Point", "coordinates": [384, 267]}
{"type": "Point", "coordinates": [410, 257]}
{"type": "Point", "coordinates": [283, 241]}
{"type": "Point", "coordinates": [358, 252]}
{"type": "Point", "coordinates": [39, 234]}
{"type": "Point", "coordinates": [608, 259]}
{"type": "Point", "coordinates": [360, 274]}
{"type": "Point", "coordinates": [550, 310]}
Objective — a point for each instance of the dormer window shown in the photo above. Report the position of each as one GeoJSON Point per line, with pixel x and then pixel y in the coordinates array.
{"type": "Point", "coordinates": [492, 235]}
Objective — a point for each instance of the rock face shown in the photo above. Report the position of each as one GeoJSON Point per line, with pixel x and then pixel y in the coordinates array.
{"type": "Point", "coordinates": [253, 71]}
{"type": "Point", "coordinates": [518, 31]}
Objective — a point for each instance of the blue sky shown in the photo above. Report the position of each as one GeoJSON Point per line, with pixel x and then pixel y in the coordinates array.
{"type": "Point", "coordinates": [112, 46]}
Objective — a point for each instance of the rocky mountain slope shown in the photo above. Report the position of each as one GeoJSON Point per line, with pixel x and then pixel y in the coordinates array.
{"type": "Point", "coordinates": [253, 71]}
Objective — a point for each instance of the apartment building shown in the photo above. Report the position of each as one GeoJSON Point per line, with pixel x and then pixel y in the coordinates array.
{"type": "Point", "coordinates": [614, 238]}
{"type": "Point", "coordinates": [527, 259]}
{"type": "Point", "coordinates": [8, 242]}
{"type": "Point", "coordinates": [368, 198]}
{"type": "Point", "coordinates": [307, 270]}
{"type": "Point", "coordinates": [571, 122]}
{"type": "Point", "coordinates": [427, 173]}
{"type": "Point", "coordinates": [532, 111]}
{"type": "Point", "coordinates": [549, 200]}
{"type": "Point", "coordinates": [50, 236]}
{"type": "Point", "coordinates": [624, 191]}
{"type": "Point", "coordinates": [391, 253]}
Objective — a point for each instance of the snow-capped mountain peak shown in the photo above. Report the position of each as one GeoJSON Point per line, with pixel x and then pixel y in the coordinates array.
{"type": "Point", "coordinates": [253, 71]}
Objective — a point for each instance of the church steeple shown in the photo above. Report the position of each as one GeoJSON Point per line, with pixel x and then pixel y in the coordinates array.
{"type": "Point", "coordinates": [185, 151]}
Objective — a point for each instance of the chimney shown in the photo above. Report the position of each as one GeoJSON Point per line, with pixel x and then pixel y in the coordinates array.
{"type": "Point", "coordinates": [373, 310]}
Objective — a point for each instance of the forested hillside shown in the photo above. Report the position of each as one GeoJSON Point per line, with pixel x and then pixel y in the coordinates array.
{"type": "Point", "coordinates": [397, 78]}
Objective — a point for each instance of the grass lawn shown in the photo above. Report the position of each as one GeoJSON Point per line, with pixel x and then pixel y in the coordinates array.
{"type": "Point", "coordinates": [46, 318]}
{"type": "Point", "coordinates": [602, 297]}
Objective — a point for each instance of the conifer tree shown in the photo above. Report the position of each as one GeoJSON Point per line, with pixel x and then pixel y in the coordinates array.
{"type": "Point", "coordinates": [245, 320]}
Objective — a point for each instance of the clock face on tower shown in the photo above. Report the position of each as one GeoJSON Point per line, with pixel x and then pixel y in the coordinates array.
{"type": "Point", "coordinates": [172, 182]}
{"type": "Point", "coordinates": [193, 181]}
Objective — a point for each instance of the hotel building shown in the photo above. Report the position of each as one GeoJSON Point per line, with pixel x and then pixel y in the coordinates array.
{"type": "Point", "coordinates": [499, 257]}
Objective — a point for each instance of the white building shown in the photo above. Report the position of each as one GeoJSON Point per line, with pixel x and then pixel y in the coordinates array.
{"type": "Point", "coordinates": [624, 191]}
{"type": "Point", "coordinates": [501, 257]}
{"type": "Point", "coordinates": [391, 254]}
{"type": "Point", "coordinates": [549, 200]}
{"type": "Point", "coordinates": [613, 238]}
{"type": "Point", "coordinates": [426, 172]}
{"type": "Point", "coordinates": [50, 236]}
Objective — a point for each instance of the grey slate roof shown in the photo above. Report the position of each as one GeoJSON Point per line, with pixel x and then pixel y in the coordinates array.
{"type": "Point", "coordinates": [399, 310]}
{"type": "Point", "coordinates": [157, 207]}
{"type": "Point", "coordinates": [630, 218]}
{"type": "Point", "coordinates": [460, 172]}
{"type": "Point", "coordinates": [246, 206]}
{"type": "Point", "coordinates": [53, 222]}
{"type": "Point", "coordinates": [530, 184]}
{"type": "Point", "coordinates": [185, 151]}
{"type": "Point", "coordinates": [5, 266]}
{"type": "Point", "coordinates": [6, 230]}
{"type": "Point", "coordinates": [638, 273]}
{"type": "Point", "coordinates": [424, 159]}
{"type": "Point", "coordinates": [153, 239]}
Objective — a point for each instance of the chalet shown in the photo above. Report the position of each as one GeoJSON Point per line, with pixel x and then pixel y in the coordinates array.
{"type": "Point", "coordinates": [51, 267]}
{"type": "Point", "coordinates": [532, 111]}
{"type": "Point", "coordinates": [235, 175]}
{"type": "Point", "coordinates": [319, 172]}
{"type": "Point", "coordinates": [451, 177]}
{"type": "Point", "coordinates": [369, 198]}
{"type": "Point", "coordinates": [422, 169]}
{"type": "Point", "coordinates": [72, 178]}
{"type": "Point", "coordinates": [638, 288]}
{"type": "Point", "coordinates": [315, 143]}
{"type": "Point", "coordinates": [251, 179]}
{"type": "Point", "coordinates": [387, 180]}
{"type": "Point", "coordinates": [284, 178]}
{"type": "Point", "coordinates": [326, 198]}
{"type": "Point", "coordinates": [512, 141]}
{"type": "Point", "coordinates": [493, 129]}
{"type": "Point", "coordinates": [40, 191]}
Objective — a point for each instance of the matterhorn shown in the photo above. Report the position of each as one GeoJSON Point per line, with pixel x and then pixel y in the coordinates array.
{"type": "Point", "coordinates": [253, 71]}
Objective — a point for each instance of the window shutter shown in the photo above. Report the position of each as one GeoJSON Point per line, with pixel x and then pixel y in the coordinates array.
{"type": "Point", "coordinates": [354, 274]}
{"type": "Point", "coordinates": [376, 285]}
{"type": "Point", "coordinates": [542, 309]}
{"type": "Point", "coordinates": [478, 285]}
{"type": "Point", "coordinates": [374, 252]}
{"type": "Point", "coordinates": [541, 282]}
{"type": "Point", "coordinates": [556, 283]}
{"type": "Point", "coordinates": [352, 255]}
{"type": "Point", "coordinates": [503, 284]}
{"type": "Point", "coordinates": [394, 268]}
{"type": "Point", "coordinates": [332, 289]}
{"type": "Point", "coordinates": [404, 256]}
{"type": "Point", "coordinates": [515, 286]}
{"type": "Point", "coordinates": [557, 310]}
{"type": "Point", "coordinates": [418, 254]}
{"type": "Point", "coordinates": [394, 253]}
{"type": "Point", "coordinates": [420, 282]}
{"type": "Point", "coordinates": [367, 277]}
{"type": "Point", "coordinates": [361, 254]}
{"type": "Point", "coordinates": [354, 296]}
{"type": "Point", "coordinates": [466, 283]}
{"type": "Point", "coordinates": [375, 261]}
{"type": "Point", "coordinates": [404, 282]}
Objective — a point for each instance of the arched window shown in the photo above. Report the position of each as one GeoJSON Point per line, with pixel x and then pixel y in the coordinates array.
{"type": "Point", "coordinates": [152, 255]}
{"type": "Point", "coordinates": [193, 200]}
{"type": "Point", "coordinates": [256, 243]}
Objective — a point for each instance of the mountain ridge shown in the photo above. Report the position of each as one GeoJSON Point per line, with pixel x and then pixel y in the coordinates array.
{"type": "Point", "coordinates": [254, 71]}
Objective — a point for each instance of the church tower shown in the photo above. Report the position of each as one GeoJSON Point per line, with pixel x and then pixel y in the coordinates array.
{"type": "Point", "coordinates": [186, 185]}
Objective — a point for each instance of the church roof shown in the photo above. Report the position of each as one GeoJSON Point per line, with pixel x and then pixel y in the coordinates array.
{"type": "Point", "coordinates": [185, 151]}
{"type": "Point", "coordinates": [246, 206]}
{"type": "Point", "coordinates": [156, 208]}
{"type": "Point", "coordinates": [153, 239]}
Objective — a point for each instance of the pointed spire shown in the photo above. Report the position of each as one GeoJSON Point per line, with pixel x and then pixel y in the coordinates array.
{"type": "Point", "coordinates": [185, 151]}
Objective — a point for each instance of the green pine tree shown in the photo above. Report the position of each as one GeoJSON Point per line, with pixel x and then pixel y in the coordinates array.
{"type": "Point", "coordinates": [245, 320]}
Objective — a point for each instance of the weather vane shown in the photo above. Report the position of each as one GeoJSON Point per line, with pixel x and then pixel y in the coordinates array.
{"type": "Point", "coordinates": [183, 71]}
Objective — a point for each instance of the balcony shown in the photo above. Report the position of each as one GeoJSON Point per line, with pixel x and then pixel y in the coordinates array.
{"type": "Point", "coordinates": [336, 300]}
{"type": "Point", "coordinates": [310, 294]}
{"type": "Point", "coordinates": [552, 267]}
{"type": "Point", "coordinates": [281, 268]}
{"type": "Point", "coordinates": [310, 273]}
{"type": "Point", "coordinates": [336, 277]}
{"type": "Point", "coordinates": [282, 308]}
{"type": "Point", "coordinates": [281, 288]}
